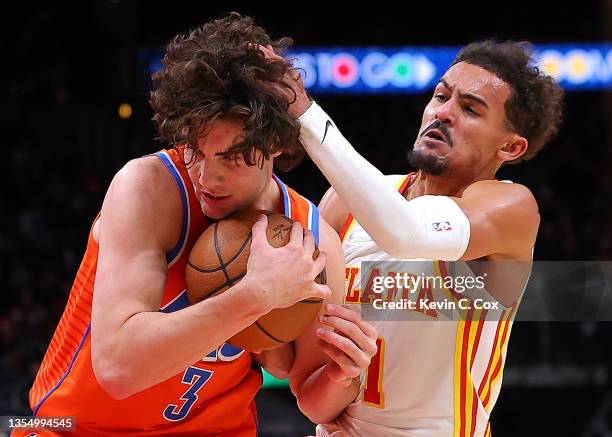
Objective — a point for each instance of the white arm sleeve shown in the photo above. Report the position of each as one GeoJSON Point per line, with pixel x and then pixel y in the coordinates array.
{"type": "Point", "coordinates": [428, 227]}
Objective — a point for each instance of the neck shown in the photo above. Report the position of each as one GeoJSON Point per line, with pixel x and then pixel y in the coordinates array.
{"type": "Point", "coordinates": [443, 185]}
{"type": "Point", "coordinates": [270, 198]}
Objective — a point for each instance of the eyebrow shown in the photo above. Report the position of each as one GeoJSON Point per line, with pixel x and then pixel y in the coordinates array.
{"type": "Point", "coordinates": [469, 96]}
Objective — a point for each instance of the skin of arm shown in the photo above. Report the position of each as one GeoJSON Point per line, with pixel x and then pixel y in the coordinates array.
{"type": "Point", "coordinates": [325, 374]}
{"type": "Point", "coordinates": [504, 220]}
{"type": "Point", "coordinates": [134, 346]}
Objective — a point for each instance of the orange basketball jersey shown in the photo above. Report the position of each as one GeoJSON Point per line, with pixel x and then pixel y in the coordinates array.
{"type": "Point", "coordinates": [213, 396]}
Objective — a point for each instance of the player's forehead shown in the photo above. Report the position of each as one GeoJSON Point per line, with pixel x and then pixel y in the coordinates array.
{"type": "Point", "coordinates": [472, 79]}
{"type": "Point", "coordinates": [220, 134]}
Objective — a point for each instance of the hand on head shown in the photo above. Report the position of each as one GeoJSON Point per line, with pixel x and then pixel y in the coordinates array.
{"type": "Point", "coordinates": [294, 90]}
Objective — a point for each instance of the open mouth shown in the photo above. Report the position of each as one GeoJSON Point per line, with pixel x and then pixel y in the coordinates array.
{"type": "Point", "coordinates": [211, 196]}
{"type": "Point", "coordinates": [436, 135]}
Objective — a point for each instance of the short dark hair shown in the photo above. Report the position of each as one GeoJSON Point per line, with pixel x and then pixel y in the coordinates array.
{"type": "Point", "coordinates": [535, 107]}
{"type": "Point", "coordinates": [215, 71]}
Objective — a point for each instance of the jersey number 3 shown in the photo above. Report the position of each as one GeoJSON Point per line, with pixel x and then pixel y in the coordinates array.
{"type": "Point", "coordinates": [195, 378]}
{"type": "Point", "coordinates": [372, 392]}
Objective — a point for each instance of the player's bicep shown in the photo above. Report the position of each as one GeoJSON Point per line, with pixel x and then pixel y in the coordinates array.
{"type": "Point", "coordinates": [131, 268]}
{"type": "Point", "coordinates": [503, 219]}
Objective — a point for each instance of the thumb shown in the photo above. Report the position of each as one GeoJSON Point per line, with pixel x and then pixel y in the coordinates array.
{"type": "Point", "coordinates": [259, 231]}
{"type": "Point", "coordinates": [320, 291]}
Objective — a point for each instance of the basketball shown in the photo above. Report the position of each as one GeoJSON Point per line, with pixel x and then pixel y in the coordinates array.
{"type": "Point", "coordinates": [218, 261]}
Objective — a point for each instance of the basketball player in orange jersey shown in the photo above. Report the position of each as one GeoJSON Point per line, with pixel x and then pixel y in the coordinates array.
{"type": "Point", "coordinates": [491, 107]}
{"type": "Point", "coordinates": [129, 356]}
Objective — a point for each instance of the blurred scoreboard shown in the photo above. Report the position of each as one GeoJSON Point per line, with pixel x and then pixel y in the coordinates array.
{"type": "Point", "coordinates": [416, 69]}
{"type": "Point", "coordinates": [413, 70]}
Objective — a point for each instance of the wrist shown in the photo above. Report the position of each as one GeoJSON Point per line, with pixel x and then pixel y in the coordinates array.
{"type": "Point", "coordinates": [301, 105]}
{"type": "Point", "coordinates": [249, 295]}
{"type": "Point", "coordinates": [315, 126]}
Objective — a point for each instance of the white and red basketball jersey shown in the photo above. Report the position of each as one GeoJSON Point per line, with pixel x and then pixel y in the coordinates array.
{"type": "Point", "coordinates": [432, 376]}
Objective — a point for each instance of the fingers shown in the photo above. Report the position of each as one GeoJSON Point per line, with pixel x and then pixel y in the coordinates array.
{"type": "Point", "coordinates": [347, 314]}
{"type": "Point", "coordinates": [296, 238]}
{"type": "Point", "coordinates": [296, 75]}
{"type": "Point", "coordinates": [352, 332]}
{"type": "Point", "coordinates": [259, 232]}
{"type": "Point", "coordinates": [347, 368]}
{"type": "Point", "coordinates": [356, 355]}
{"type": "Point", "coordinates": [309, 242]}
{"type": "Point", "coordinates": [319, 263]}
{"type": "Point", "coordinates": [268, 52]}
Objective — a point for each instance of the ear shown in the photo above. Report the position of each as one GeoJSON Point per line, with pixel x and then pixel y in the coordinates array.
{"type": "Point", "coordinates": [514, 148]}
{"type": "Point", "coordinates": [276, 154]}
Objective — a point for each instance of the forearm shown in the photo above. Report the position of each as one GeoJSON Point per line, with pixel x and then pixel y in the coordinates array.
{"type": "Point", "coordinates": [399, 227]}
{"type": "Point", "coordinates": [153, 346]}
{"type": "Point", "coordinates": [322, 399]}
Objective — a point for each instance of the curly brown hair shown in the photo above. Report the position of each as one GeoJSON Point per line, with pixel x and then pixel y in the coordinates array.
{"type": "Point", "coordinates": [535, 107]}
{"type": "Point", "coordinates": [215, 71]}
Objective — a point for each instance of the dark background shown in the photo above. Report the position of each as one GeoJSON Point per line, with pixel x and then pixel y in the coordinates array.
{"type": "Point", "coordinates": [65, 69]}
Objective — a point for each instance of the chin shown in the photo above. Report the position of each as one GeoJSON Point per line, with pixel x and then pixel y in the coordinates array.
{"type": "Point", "coordinates": [428, 161]}
{"type": "Point", "coordinates": [216, 214]}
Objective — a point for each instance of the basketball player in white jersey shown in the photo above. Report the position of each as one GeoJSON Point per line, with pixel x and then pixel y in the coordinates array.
{"type": "Point", "coordinates": [441, 376]}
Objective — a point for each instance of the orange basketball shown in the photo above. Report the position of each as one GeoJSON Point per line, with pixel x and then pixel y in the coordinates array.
{"type": "Point", "coordinates": [218, 260]}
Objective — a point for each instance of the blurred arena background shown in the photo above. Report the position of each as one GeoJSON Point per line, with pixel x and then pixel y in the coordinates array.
{"type": "Point", "coordinates": [74, 109]}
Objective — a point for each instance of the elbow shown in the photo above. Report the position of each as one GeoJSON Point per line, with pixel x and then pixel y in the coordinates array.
{"type": "Point", "coordinates": [396, 247]}
{"type": "Point", "coordinates": [112, 379]}
{"type": "Point", "coordinates": [277, 373]}
{"type": "Point", "coordinates": [395, 251]}
{"type": "Point", "coordinates": [393, 241]}
{"type": "Point", "coordinates": [310, 406]}
{"type": "Point", "coordinates": [311, 400]}
{"type": "Point", "coordinates": [318, 417]}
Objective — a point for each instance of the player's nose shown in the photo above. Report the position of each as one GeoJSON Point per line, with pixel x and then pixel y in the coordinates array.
{"type": "Point", "coordinates": [210, 175]}
{"type": "Point", "coordinates": [445, 113]}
